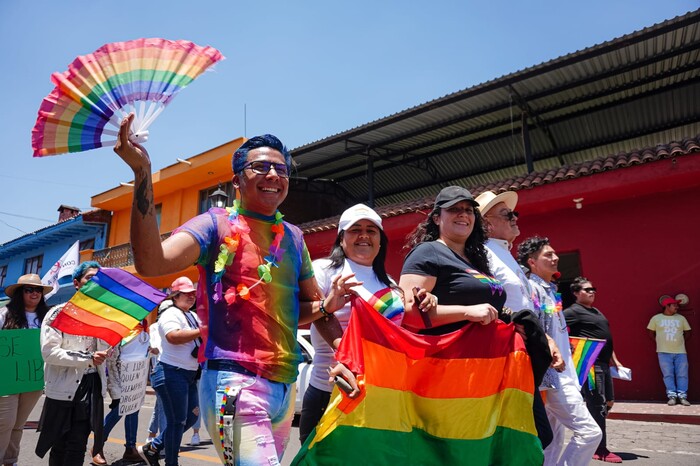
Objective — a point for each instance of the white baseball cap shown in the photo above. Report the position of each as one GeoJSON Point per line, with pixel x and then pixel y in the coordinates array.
{"type": "Point", "coordinates": [356, 213]}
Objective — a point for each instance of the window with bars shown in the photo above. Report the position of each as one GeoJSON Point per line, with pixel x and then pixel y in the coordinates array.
{"type": "Point", "coordinates": [3, 275]}
{"type": "Point", "coordinates": [33, 264]}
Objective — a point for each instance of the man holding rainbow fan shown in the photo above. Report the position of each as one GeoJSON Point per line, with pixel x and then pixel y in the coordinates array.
{"type": "Point", "coordinates": [256, 286]}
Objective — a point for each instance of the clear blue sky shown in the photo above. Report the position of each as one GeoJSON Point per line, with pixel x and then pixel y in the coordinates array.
{"type": "Point", "coordinates": [304, 69]}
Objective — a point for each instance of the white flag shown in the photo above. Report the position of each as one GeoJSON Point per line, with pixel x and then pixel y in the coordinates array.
{"type": "Point", "coordinates": [64, 266]}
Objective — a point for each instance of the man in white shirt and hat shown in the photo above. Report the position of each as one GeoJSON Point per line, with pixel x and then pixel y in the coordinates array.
{"type": "Point", "coordinates": [501, 222]}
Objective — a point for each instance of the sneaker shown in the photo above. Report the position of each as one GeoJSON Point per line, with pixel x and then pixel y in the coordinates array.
{"type": "Point", "coordinates": [684, 402]}
{"type": "Point", "coordinates": [195, 439]}
{"type": "Point", "coordinates": [149, 454]}
{"type": "Point", "coordinates": [672, 401]}
{"type": "Point", "coordinates": [131, 455]}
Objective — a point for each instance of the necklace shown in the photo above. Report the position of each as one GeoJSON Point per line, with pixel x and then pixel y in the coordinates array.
{"type": "Point", "coordinates": [227, 252]}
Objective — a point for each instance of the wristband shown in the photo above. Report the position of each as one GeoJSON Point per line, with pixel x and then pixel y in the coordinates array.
{"type": "Point", "coordinates": [322, 308]}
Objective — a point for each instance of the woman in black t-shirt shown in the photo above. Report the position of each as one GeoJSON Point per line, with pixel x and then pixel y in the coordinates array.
{"type": "Point", "coordinates": [449, 260]}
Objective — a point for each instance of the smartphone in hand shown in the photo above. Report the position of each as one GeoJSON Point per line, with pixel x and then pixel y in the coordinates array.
{"type": "Point", "coordinates": [343, 384]}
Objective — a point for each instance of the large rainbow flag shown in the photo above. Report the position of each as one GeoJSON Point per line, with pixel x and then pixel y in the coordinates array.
{"type": "Point", "coordinates": [584, 352]}
{"type": "Point", "coordinates": [461, 398]}
{"type": "Point", "coordinates": [109, 306]}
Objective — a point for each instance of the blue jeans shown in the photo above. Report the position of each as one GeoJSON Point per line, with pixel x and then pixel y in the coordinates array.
{"type": "Point", "coordinates": [131, 425]}
{"type": "Point", "coordinates": [177, 390]}
{"type": "Point", "coordinates": [157, 423]}
{"type": "Point", "coordinates": [674, 367]}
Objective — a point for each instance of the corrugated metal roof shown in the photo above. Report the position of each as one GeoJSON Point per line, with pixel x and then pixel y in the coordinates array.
{"type": "Point", "coordinates": [422, 199]}
{"type": "Point", "coordinates": [639, 90]}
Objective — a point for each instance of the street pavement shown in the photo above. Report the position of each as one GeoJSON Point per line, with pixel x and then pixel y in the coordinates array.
{"type": "Point", "coordinates": [639, 443]}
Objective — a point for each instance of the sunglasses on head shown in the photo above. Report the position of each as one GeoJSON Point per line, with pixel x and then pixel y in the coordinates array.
{"type": "Point", "coordinates": [263, 167]}
{"type": "Point", "coordinates": [33, 289]}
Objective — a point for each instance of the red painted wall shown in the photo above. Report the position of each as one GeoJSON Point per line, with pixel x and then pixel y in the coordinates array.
{"type": "Point", "coordinates": [637, 237]}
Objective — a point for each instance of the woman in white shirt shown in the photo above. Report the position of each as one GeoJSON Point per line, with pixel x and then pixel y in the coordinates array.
{"type": "Point", "coordinates": [360, 249]}
{"type": "Point", "coordinates": [175, 376]}
{"type": "Point", "coordinates": [26, 309]}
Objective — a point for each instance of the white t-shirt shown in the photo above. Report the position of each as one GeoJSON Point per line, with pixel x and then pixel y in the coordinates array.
{"type": "Point", "coordinates": [32, 319]}
{"type": "Point", "coordinates": [384, 299]}
{"type": "Point", "coordinates": [180, 355]}
{"type": "Point", "coordinates": [506, 269]}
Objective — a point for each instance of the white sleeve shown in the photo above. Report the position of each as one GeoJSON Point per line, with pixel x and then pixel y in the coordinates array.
{"type": "Point", "coordinates": [169, 321]}
{"type": "Point", "coordinates": [51, 340]}
{"type": "Point", "coordinates": [324, 275]}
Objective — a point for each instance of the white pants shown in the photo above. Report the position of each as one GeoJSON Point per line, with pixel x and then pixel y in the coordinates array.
{"type": "Point", "coordinates": [566, 409]}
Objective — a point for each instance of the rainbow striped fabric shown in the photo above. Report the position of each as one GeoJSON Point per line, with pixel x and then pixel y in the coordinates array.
{"type": "Point", "coordinates": [584, 353]}
{"type": "Point", "coordinates": [141, 75]}
{"type": "Point", "coordinates": [460, 398]}
{"type": "Point", "coordinates": [109, 306]}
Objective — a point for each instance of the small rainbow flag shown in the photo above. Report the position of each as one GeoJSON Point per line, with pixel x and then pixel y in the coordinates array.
{"type": "Point", "coordinates": [109, 306]}
{"type": "Point", "coordinates": [460, 398]}
{"type": "Point", "coordinates": [584, 352]}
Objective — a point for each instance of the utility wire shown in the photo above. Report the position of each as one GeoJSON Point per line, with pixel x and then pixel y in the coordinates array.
{"type": "Point", "coordinates": [27, 217]}
{"type": "Point", "coordinates": [21, 231]}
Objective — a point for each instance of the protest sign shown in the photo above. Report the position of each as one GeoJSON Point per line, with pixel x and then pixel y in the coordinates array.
{"type": "Point", "coordinates": [134, 375]}
{"type": "Point", "coordinates": [21, 364]}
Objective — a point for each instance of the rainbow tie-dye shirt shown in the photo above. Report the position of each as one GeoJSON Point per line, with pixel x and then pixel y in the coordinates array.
{"type": "Point", "coordinates": [258, 333]}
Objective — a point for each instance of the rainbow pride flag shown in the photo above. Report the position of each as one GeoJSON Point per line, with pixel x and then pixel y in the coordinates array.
{"type": "Point", "coordinates": [109, 306]}
{"type": "Point", "coordinates": [584, 352]}
{"type": "Point", "coordinates": [460, 398]}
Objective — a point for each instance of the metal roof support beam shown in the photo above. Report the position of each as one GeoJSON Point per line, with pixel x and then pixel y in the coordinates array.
{"type": "Point", "coordinates": [526, 144]}
{"type": "Point", "coordinates": [370, 178]}
{"type": "Point", "coordinates": [542, 124]}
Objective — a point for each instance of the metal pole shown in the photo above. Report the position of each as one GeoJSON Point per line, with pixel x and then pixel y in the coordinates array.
{"type": "Point", "coordinates": [526, 144]}
{"type": "Point", "coordinates": [370, 179]}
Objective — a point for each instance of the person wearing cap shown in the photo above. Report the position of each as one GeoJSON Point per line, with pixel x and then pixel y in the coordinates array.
{"type": "Point", "coordinates": [256, 286]}
{"type": "Point", "coordinates": [75, 386]}
{"type": "Point", "coordinates": [585, 321]}
{"type": "Point", "coordinates": [174, 378]}
{"type": "Point", "coordinates": [670, 330]}
{"type": "Point", "coordinates": [564, 404]}
{"type": "Point", "coordinates": [26, 309]}
{"type": "Point", "coordinates": [359, 251]}
{"type": "Point", "coordinates": [501, 222]}
{"type": "Point", "coordinates": [448, 259]}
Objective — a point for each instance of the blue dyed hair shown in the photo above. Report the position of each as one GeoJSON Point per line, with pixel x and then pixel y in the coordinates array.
{"type": "Point", "coordinates": [82, 268]}
{"type": "Point", "coordinates": [240, 157]}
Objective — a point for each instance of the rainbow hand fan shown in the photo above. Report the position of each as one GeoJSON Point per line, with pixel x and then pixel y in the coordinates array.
{"type": "Point", "coordinates": [140, 76]}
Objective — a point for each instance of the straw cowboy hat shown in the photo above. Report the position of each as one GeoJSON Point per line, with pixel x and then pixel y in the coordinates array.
{"type": "Point", "coordinates": [488, 199]}
{"type": "Point", "coordinates": [31, 279]}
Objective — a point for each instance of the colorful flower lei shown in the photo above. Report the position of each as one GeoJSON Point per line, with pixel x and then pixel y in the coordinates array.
{"type": "Point", "coordinates": [227, 252]}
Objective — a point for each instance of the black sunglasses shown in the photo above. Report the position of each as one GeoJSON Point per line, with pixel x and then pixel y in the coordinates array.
{"type": "Point", "coordinates": [510, 215]}
{"type": "Point", "coordinates": [590, 289]}
{"type": "Point", "coordinates": [33, 289]}
{"type": "Point", "coordinates": [263, 167]}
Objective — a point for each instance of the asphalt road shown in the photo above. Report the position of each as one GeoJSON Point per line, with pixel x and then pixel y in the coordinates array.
{"type": "Point", "coordinates": [638, 443]}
